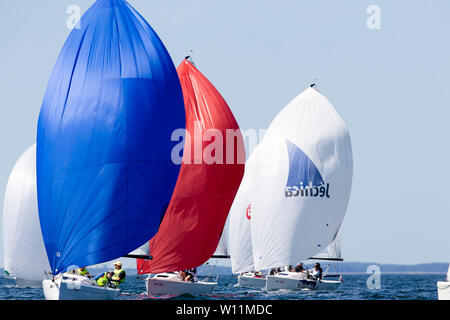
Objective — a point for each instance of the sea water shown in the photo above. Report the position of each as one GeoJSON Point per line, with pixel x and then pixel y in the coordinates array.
{"type": "Point", "coordinates": [354, 287]}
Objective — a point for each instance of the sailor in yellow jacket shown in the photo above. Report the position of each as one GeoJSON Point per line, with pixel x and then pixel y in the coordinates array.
{"type": "Point", "coordinates": [113, 278]}
{"type": "Point", "coordinates": [83, 272]}
{"type": "Point", "coordinates": [118, 275]}
{"type": "Point", "coordinates": [103, 279]}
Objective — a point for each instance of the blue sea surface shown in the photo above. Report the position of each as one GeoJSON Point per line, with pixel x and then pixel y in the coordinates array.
{"type": "Point", "coordinates": [354, 287]}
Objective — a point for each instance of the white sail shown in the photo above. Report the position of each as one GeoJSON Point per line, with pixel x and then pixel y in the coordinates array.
{"type": "Point", "coordinates": [143, 250]}
{"type": "Point", "coordinates": [303, 186]}
{"type": "Point", "coordinates": [24, 252]}
{"type": "Point", "coordinates": [333, 251]}
{"type": "Point", "coordinates": [240, 218]}
{"type": "Point", "coordinates": [222, 247]}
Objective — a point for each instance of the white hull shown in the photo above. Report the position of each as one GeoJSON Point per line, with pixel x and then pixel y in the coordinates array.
{"type": "Point", "coordinates": [251, 281]}
{"type": "Point", "coordinates": [443, 290]}
{"type": "Point", "coordinates": [73, 287]}
{"type": "Point", "coordinates": [171, 284]}
{"type": "Point", "coordinates": [296, 281]}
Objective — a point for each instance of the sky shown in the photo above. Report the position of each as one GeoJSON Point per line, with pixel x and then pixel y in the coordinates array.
{"type": "Point", "coordinates": [388, 83]}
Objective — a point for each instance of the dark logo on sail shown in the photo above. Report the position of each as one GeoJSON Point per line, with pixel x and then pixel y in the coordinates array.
{"type": "Point", "coordinates": [304, 178]}
{"type": "Point", "coordinates": [308, 191]}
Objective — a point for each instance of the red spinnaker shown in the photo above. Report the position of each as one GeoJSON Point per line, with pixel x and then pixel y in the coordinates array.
{"type": "Point", "coordinates": [191, 228]}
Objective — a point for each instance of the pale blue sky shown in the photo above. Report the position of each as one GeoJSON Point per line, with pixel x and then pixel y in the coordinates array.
{"type": "Point", "coordinates": [390, 86]}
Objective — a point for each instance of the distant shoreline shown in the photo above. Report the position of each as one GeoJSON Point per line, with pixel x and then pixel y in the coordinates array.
{"type": "Point", "coordinates": [393, 272]}
{"type": "Point", "coordinates": [359, 268]}
{"type": "Point", "coordinates": [344, 268]}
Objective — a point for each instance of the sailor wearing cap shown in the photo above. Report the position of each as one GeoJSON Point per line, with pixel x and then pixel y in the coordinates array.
{"type": "Point", "coordinates": [118, 275]}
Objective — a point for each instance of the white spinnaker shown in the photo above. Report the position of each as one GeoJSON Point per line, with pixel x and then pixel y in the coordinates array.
{"type": "Point", "coordinates": [240, 218]}
{"type": "Point", "coordinates": [24, 251]}
{"type": "Point", "coordinates": [287, 230]}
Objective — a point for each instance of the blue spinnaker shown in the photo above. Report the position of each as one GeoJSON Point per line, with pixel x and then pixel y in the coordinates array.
{"type": "Point", "coordinates": [104, 168]}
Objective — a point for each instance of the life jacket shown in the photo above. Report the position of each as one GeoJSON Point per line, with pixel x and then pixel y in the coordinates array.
{"type": "Point", "coordinates": [102, 280]}
{"type": "Point", "coordinates": [82, 272]}
{"type": "Point", "coordinates": [116, 276]}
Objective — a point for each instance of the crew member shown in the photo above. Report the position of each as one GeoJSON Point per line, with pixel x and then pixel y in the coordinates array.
{"type": "Point", "coordinates": [317, 271]}
{"type": "Point", "coordinates": [83, 272]}
{"type": "Point", "coordinates": [118, 275]}
{"type": "Point", "coordinates": [299, 267]}
{"type": "Point", "coordinates": [103, 279]}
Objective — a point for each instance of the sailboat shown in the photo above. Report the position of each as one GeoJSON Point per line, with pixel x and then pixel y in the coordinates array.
{"type": "Point", "coordinates": [299, 182]}
{"type": "Point", "coordinates": [444, 287]}
{"type": "Point", "coordinates": [239, 232]}
{"type": "Point", "coordinates": [332, 254]}
{"type": "Point", "coordinates": [105, 174]}
{"type": "Point", "coordinates": [210, 174]}
{"type": "Point", "coordinates": [288, 279]}
{"type": "Point", "coordinates": [24, 252]}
